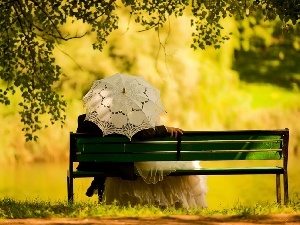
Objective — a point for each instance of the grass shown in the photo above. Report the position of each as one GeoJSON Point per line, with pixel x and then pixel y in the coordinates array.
{"type": "Point", "coordinates": [12, 209]}
{"type": "Point", "coordinates": [266, 96]}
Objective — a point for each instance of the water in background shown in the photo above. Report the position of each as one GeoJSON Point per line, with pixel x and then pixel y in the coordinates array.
{"type": "Point", "coordinates": [48, 182]}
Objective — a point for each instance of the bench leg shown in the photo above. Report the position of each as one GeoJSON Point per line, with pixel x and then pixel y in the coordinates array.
{"type": "Point", "coordinates": [101, 185]}
{"type": "Point", "coordinates": [70, 189]}
{"type": "Point", "coordinates": [278, 189]}
{"type": "Point", "coordinates": [285, 188]}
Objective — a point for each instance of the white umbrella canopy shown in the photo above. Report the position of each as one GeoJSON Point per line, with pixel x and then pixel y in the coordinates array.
{"type": "Point", "coordinates": [123, 104]}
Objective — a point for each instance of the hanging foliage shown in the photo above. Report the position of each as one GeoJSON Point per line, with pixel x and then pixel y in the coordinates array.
{"type": "Point", "coordinates": [29, 30]}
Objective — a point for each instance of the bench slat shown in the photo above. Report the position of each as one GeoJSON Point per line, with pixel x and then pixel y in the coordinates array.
{"type": "Point", "coordinates": [212, 156]}
{"type": "Point", "coordinates": [172, 156]}
{"type": "Point", "coordinates": [231, 135]}
{"type": "Point", "coordinates": [172, 146]}
{"type": "Point", "coordinates": [202, 171]}
{"type": "Point", "coordinates": [117, 157]}
{"type": "Point", "coordinates": [230, 171]}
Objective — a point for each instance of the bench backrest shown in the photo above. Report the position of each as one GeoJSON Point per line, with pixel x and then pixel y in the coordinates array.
{"type": "Point", "coordinates": [192, 145]}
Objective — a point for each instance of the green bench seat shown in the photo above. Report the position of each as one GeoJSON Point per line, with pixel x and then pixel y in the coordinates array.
{"type": "Point", "coordinates": [241, 145]}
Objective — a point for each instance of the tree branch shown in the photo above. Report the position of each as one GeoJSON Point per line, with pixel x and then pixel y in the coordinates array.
{"type": "Point", "coordinates": [46, 14]}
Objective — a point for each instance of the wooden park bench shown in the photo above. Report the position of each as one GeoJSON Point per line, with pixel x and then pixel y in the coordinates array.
{"type": "Point", "coordinates": [240, 145]}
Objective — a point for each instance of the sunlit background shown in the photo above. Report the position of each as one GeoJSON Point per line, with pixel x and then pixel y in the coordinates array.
{"type": "Point", "coordinates": [252, 82]}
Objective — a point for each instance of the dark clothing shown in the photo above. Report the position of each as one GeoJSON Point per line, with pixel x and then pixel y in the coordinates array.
{"type": "Point", "coordinates": [85, 126]}
{"type": "Point", "coordinates": [125, 169]}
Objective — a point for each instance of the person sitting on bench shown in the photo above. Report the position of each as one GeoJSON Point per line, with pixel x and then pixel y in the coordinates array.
{"type": "Point", "coordinates": [152, 186]}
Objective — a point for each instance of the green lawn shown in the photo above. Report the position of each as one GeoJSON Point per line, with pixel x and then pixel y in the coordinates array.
{"type": "Point", "coordinates": [12, 209]}
{"type": "Point", "coordinates": [269, 96]}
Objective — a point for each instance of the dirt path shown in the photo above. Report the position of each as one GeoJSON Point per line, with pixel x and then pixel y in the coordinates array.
{"type": "Point", "coordinates": [288, 219]}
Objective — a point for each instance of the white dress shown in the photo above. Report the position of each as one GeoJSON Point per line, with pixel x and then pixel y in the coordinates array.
{"type": "Point", "coordinates": [153, 187]}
